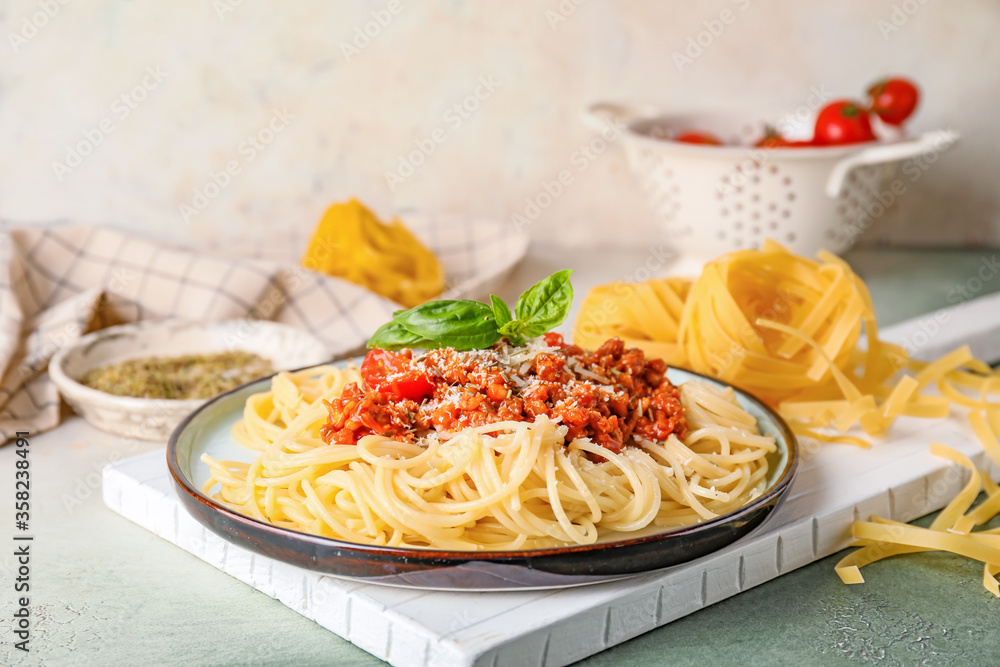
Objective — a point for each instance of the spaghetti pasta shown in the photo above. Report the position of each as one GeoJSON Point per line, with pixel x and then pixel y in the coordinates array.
{"type": "Point", "coordinates": [501, 485]}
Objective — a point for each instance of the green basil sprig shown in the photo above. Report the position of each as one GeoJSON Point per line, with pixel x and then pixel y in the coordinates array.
{"type": "Point", "coordinates": [471, 325]}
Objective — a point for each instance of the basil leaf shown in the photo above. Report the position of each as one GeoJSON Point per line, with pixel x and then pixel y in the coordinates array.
{"type": "Point", "coordinates": [512, 328]}
{"type": "Point", "coordinates": [545, 305]}
{"type": "Point", "coordinates": [501, 313]}
{"type": "Point", "coordinates": [393, 336]}
{"type": "Point", "coordinates": [471, 325]}
{"type": "Point", "coordinates": [461, 324]}
{"type": "Point", "coordinates": [509, 327]}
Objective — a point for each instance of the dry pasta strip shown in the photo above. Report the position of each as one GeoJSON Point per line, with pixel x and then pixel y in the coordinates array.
{"type": "Point", "coordinates": [951, 530]}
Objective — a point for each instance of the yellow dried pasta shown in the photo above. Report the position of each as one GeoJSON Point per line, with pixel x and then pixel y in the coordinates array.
{"type": "Point", "coordinates": [351, 243]}
{"type": "Point", "coordinates": [951, 531]}
{"type": "Point", "coordinates": [789, 330]}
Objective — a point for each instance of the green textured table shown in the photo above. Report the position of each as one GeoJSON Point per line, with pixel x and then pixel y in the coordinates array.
{"type": "Point", "coordinates": [105, 591]}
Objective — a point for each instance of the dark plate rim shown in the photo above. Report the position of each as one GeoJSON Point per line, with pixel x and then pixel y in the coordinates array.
{"type": "Point", "coordinates": [768, 497]}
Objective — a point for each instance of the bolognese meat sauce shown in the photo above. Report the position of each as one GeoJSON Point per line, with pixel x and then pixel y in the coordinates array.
{"type": "Point", "coordinates": [612, 395]}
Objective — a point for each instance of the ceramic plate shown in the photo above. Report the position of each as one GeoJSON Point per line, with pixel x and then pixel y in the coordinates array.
{"type": "Point", "coordinates": [208, 431]}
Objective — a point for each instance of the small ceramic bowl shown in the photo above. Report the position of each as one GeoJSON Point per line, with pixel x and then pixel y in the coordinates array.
{"type": "Point", "coordinates": [154, 419]}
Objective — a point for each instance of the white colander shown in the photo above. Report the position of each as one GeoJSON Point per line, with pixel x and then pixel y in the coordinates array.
{"type": "Point", "coordinates": [713, 199]}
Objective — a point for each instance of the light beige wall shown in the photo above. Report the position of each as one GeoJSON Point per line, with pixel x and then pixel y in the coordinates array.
{"type": "Point", "coordinates": [211, 74]}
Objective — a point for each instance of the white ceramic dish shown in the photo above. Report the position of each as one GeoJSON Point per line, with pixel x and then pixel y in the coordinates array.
{"type": "Point", "coordinates": [154, 419]}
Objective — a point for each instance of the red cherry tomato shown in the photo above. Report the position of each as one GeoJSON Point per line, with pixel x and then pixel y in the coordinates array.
{"type": "Point", "coordinates": [843, 122]}
{"type": "Point", "coordinates": [703, 138]}
{"type": "Point", "coordinates": [390, 372]}
{"type": "Point", "coordinates": [893, 100]}
{"type": "Point", "coordinates": [772, 139]}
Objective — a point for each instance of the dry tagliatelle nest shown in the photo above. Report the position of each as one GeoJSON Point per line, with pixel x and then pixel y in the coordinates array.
{"type": "Point", "coordinates": [789, 329]}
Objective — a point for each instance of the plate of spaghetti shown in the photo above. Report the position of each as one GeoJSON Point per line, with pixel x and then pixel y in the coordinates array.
{"type": "Point", "coordinates": [508, 460]}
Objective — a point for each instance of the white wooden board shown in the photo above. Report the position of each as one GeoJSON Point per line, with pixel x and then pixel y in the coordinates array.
{"type": "Point", "coordinates": [836, 484]}
{"type": "Point", "coordinates": [896, 478]}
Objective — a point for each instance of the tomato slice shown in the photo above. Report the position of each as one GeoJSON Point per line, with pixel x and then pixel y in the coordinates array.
{"type": "Point", "coordinates": [390, 372]}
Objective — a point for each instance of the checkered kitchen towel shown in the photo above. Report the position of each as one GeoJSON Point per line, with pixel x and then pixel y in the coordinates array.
{"type": "Point", "coordinates": [59, 283]}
